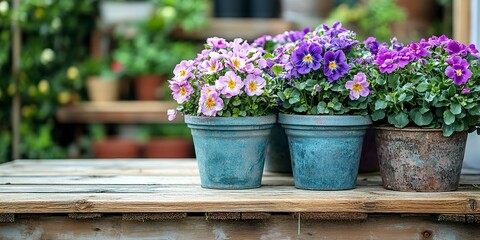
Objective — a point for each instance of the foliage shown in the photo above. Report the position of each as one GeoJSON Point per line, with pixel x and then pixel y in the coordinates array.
{"type": "Point", "coordinates": [429, 84]}
{"type": "Point", "coordinates": [225, 80]}
{"type": "Point", "coordinates": [39, 144]}
{"type": "Point", "coordinates": [105, 69]}
{"type": "Point", "coordinates": [326, 72]}
{"type": "Point", "coordinates": [371, 17]}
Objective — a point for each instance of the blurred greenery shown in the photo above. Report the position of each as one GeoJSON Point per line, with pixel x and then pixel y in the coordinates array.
{"type": "Point", "coordinates": [370, 17]}
{"type": "Point", "coordinates": [55, 54]}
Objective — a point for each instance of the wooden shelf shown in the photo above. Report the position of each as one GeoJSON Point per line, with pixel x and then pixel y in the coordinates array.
{"type": "Point", "coordinates": [117, 112]}
{"type": "Point", "coordinates": [246, 28]}
{"type": "Point", "coordinates": [152, 199]}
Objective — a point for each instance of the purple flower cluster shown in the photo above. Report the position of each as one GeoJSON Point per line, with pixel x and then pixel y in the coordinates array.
{"type": "Point", "coordinates": [451, 55]}
{"type": "Point", "coordinates": [221, 71]}
{"type": "Point", "coordinates": [324, 50]}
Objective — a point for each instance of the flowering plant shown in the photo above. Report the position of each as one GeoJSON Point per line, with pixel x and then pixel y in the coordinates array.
{"type": "Point", "coordinates": [224, 80]}
{"type": "Point", "coordinates": [325, 72]}
{"type": "Point", "coordinates": [433, 83]}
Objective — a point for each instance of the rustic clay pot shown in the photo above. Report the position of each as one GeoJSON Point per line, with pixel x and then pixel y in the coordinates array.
{"type": "Point", "coordinates": [102, 90]}
{"type": "Point", "coordinates": [421, 160]}
{"type": "Point", "coordinates": [147, 87]}
{"type": "Point", "coordinates": [168, 148]}
{"type": "Point", "coordinates": [116, 147]}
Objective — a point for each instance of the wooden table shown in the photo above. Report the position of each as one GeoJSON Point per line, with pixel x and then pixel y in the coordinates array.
{"type": "Point", "coordinates": [162, 199]}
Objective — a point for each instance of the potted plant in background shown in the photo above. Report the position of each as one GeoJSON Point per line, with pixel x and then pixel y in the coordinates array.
{"type": "Point", "coordinates": [227, 103]}
{"type": "Point", "coordinates": [426, 99]}
{"type": "Point", "coordinates": [323, 89]}
{"type": "Point", "coordinates": [167, 141]}
{"type": "Point", "coordinates": [102, 79]}
{"type": "Point", "coordinates": [104, 146]}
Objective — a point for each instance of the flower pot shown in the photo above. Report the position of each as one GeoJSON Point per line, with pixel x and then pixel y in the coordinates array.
{"type": "Point", "coordinates": [168, 148]}
{"type": "Point", "coordinates": [263, 8]}
{"type": "Point", "coordinates": [102, 90]}
{"type": "Point", "coordinates": [147, 87]}
{"type": "Point", "coordinates": [421, 160]}
{"type": "Point", "coordinates": [325, 150]}
{"type": "Point", "coordinates": [230, 9]}
{"type": "Point", "coordinates": [230, 151]}
{"type": "Point", "coordinates": [278, 154]}
{"type": "Point", "coordinates": [116, 147]}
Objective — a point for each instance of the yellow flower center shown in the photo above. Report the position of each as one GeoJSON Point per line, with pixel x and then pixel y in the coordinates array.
{"type": "Point", "coordinates": [183, 72]}
{"type": "Point", "coordinates": [210, 102]}
{"type": "Point", "coordinates": [232, 84]}
{"type": "Point", "coordinates": [236, 63]}
{"type": "Point", "coordinates": [332, 65]}
{"type": "Point", "coordinates": [357, 87]}
{"type": "Point", "coordinates": [252, 86]}
{"type": "Point", "coordinates": [308, 58]}
{"type": "Point", "coordinates": [213, 67]}
{"type": "Point", "coordinates": [182, 90]}
{"type": "Point", "coordinates": [458, 72]}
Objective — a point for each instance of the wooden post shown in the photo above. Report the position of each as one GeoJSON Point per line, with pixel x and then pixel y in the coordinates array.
{"type": "Point", "coordinates": [461, 21]}
{"type": "Point", "coordinates": [16, 103]}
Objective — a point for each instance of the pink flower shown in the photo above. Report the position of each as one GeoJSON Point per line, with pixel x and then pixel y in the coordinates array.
{"type": "Point", "coordinates": [217, 43]}
{"type": "Point", "coordinates": [171, 113]}
{"type": "Point", "coordinates": [358, 87]}
{"type": "Point", "coordinates": [181, 90]}
{"type": "Point", "coordinates": [230, 84]}
{"type": "Point", "coordinates": [210, 103]}
{"type": "Point", "coordinates": [254, 85]}
{"type": "Point", "coordinates": [236, 62]}
{"type": "Point", "coordinates": [183, 70]}
{"type": "Point", "coordinates": [211, 66]}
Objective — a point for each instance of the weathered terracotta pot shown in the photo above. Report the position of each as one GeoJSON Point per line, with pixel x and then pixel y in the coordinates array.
{"type": "Point", "coordinates": [116, 147]}
{"type": "Point", "coordinates": [147, 86]}
{"type": "Point", "coordinates": [421, 160]}
{"type": "Point", "coordinates": [177, 147]}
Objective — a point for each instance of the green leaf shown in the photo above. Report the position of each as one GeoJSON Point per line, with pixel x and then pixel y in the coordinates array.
{"type": "Point", "coordinates": [475, 111]}
{"type": "Point", "coordinates": [281, 96]}
{"type": "Point", "coordinates": [456, 108]}
{"type": "Point", "coordinates": [422, 87]}
{"type": "Point", "coordinates": [301, 108]}
{"type": "Point", "coordinates": [294, 99]}
{"type": "Point", "coordinates": [321, 106]}
{"type": "Point", "coordinates": [421, 119]}
{"type": "Point", "coordinates": [311, 83]}
{"type": "Point", "coordinates": [242, 113]}
{"type": "Point", "coordinates": [277, 69]}
{"type": "Point", "coordinates": [378, 115]}
{"type": "Point", "coordinates": [402, 97]}
{"type": "Point", "coordinates": [301, 85]}
{"type": "Point", "coordinates": [380, 104]}
{"type": "Point", "coordinates": [237, 102]}
{"type": "Point", "coordinates": [402, 119]}
{"type": "Point", "coordinates": [448, 117]}
{"type": "Point", "coordinates": [448, 130]}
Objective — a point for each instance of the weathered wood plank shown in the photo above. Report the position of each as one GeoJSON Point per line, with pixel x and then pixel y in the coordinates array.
{"type": "Point", "coordinates": [276, 227]}
{"type": "Point", "coordinates": [186, 198]}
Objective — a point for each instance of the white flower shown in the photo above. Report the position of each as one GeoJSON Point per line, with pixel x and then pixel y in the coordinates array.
{"type": "Point", "coordinates": [3, 7]}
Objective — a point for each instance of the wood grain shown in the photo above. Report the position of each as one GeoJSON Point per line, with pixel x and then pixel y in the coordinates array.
{"type": "Point", "coordinates": [173, 186]}
{"type": "Point", "coordinates": [276, 227]}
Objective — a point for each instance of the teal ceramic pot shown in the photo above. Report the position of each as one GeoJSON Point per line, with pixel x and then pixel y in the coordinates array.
{"type": "Point", "coordinates": [325, 150]}
{"type": "Point", "coordinates": [230, 151]}
{"type": "Point", "coordinates": [278, 154]}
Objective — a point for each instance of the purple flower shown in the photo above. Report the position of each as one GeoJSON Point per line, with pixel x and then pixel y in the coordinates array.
{"type": "Point", "coordinates": [386, 60]}
{"type": "Point", "coordinates": [181, 90]}
{"type": "Point", "coordinates": [236, 62]}
{"type": "Point", "coordinates": [459, 73]}
{"type": "Point", "coordinates": [230, 84]}
{"type": "Point", "coordinates": [211, 66]}
{"type": "Point", "coordinates": [418, 50]}
{"type": "Point", "coordinates": [456, 60]}
{"type": "Point", "coordinates": [466, 90]}
{"type": "Point", "coordinates": [172, 114]}
{"type": "Point", "coordinates": [210, 103]}
{"type": "Point", "coordinates": [183, 70]}
{"type": "Point", "coordinates": [472, 49]}
{"type": "Point", "coordinates": [396, 45]}
{"type": "Point", "coordinates": [372, 45]}
{"type": "Point", "coordinates": [334, 66]}
{"type": "Point", "coordinates": [358, 86]}
{"type": "Point", "coordinates": [217, 43]}
{"type": "Point", "coordinates": [454, 47]}
{"type": "Point", "coordinates": [307, 57]}
{"type": "Point", "coordinates": [404, 57]}
{"type": "Point", "coordinates": [254, 85]}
